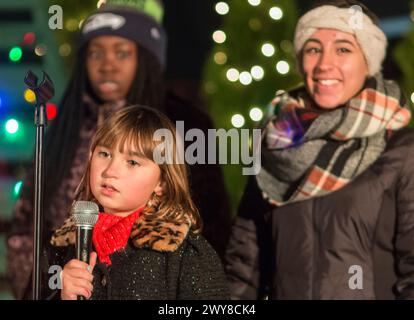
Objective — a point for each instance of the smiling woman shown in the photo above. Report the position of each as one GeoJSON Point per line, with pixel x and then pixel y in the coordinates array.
{"type": "Point", "coordinates": [334, 67]}
{"type": "Point", "coordinates": [330, 215]}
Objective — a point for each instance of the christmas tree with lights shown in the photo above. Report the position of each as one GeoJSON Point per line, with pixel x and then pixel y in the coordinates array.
{"type": "Point", "coordinates": [403, 55]}
{"type": "Point", "coordinates": [253, 58]}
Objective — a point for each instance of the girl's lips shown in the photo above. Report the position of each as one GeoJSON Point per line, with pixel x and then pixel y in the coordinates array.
{"type": "Point", "coordinates": [108, 190]}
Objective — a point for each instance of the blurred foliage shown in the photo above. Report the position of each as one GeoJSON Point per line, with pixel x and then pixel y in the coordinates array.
{"type": "Point", "coordinates": [404, 56]}
{"type": "Point", "coordinates": [74, 12]}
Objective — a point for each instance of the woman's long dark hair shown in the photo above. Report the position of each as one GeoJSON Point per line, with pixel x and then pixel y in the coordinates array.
{"type": "Point", "coordinates": [62, 138]}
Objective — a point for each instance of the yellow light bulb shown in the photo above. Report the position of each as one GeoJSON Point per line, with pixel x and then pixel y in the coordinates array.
{"type": "Point", "coordinates": [29, 96]}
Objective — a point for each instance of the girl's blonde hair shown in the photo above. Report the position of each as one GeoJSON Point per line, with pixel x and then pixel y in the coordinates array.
{"type": "Point", "coordinates": [135, 126]}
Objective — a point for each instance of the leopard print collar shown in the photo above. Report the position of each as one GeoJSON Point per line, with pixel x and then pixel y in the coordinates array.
{"type": "Point", "coordinates": [158, 235]}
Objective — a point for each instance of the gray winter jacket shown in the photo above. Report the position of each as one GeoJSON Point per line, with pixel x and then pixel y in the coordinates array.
{"type": "Point", "coordinates": [355, 243]}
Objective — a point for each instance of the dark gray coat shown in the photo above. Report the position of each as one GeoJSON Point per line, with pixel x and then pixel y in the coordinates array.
{"type": "Point", "coordinates": [309, 249]}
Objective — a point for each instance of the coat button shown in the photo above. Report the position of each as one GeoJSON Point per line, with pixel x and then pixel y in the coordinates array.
{"type": "Point", "coordinates": [103, 281]}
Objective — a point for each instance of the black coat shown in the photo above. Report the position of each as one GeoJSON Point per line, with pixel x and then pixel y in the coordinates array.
{"type": "Point", "coordinates": [309, 249]}
{"type": "Point", "coordinates": [161, 260]}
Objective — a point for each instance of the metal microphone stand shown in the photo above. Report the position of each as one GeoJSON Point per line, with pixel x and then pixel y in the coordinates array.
{"type": "Point", "coordinates": [43, 92]}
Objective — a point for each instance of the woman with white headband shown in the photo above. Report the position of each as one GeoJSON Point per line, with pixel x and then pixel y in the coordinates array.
{"type": "Point", "coordinates": [331, 213]}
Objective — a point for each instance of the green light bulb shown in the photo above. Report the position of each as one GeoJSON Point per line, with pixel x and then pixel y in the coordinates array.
{"type": "Point", "coordinates": [15, 54]}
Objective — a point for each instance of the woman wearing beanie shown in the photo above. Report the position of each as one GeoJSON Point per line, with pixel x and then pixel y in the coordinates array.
{"type": "Point", "coordinates": [121, 58]}
{"type": "Point", "coordinates": [331, 213]}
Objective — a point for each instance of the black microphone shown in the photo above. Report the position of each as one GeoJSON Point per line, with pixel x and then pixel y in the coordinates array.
{"type": "Point", "coordinates": [85, 214]}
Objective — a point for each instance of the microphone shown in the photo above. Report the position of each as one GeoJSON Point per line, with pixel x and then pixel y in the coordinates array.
{"type": "Point", "coordinates": [85, 214]}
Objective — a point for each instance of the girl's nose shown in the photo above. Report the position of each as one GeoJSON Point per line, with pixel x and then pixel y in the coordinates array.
{"type": "Point", "coordinates": [111, 171]}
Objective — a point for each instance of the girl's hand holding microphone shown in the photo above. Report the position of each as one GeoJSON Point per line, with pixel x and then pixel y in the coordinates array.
{"type": "Point", "coordinates": [77, 278]}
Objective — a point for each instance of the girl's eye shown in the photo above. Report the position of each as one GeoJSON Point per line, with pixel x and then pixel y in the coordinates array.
{"type": "Point", "coordinates": [133, 163]}
{"type": "Point", "coordinates": [103, 154]}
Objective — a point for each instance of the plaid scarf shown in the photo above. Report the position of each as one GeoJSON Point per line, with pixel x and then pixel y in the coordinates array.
{"type": "Point", "coordinates": [308, 152]}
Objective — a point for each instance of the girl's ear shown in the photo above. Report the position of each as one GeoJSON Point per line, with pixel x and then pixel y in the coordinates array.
{"type": "Point", "coordinates": [159, 189]}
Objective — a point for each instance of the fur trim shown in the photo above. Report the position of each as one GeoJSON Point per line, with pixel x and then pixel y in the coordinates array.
{"type": "Point", "coordinates": [158, 235]}
{"type": "Point", "coordinates": [66, 234]}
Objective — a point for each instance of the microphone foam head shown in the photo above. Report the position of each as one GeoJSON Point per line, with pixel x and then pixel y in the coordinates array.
{"type": "Point", "coordinates": [85, 213]}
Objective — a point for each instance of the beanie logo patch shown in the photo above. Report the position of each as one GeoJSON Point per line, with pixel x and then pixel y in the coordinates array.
{"type": "Point", "coordinates": [103, 20]}
{"type": "Point", "coordinates": [155, 33]}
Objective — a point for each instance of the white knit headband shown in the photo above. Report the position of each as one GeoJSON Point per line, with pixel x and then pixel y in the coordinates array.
{"type": "Point", "coordinates": [370, 37]}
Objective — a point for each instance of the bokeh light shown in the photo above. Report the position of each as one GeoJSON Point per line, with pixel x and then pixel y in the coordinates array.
{"type": "Point", "coordinates": [268, 49]}
{"type": "Point", "coordinates": [12, 126]}
{"type": "Point", "coordinates": [15, 54]}
{"type": "Point", "coordinates": [237, 121]}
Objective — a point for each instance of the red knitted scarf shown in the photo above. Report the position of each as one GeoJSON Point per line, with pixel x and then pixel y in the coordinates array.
{"type": "Point", "coordinates": [111, 233]}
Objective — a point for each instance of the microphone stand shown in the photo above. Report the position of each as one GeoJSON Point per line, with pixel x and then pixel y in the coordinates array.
{"type": "Point", "coordinates": [43, 92]}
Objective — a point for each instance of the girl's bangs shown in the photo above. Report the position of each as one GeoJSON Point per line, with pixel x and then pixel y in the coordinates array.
{"type": "Point", "coordinates": [129, 139]}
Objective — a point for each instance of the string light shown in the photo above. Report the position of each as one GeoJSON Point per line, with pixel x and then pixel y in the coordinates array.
{"type": "Point", "coordinates": [245, 78]}
{"type": "Point", "coordinates": [412, 97]}
{"type": "Point", "coordinates": [255, 24]}
{"type": "Point", "coordinates": [29, 38]}
{"type": "Point", "coordinates": [210, 87]}
{"type": "Point", "coordinates": [282, 67]}
{"type": "Point", "coordinates": [17, 188]}
{"type": "Point", "coordinates": [72, 25]}
{"type": "Point", "coordinates": [40, 50]}
{"type": "Point", "coordinates": [12, 126]}
{"type": "Point", "coordinates": [286, 46]}
{"type": "Point", "coordinates": [65, 49]}
{"type": "Point", "coordinates": [268, 49]}
{"type": "Point", "coordinates": [254, 2]}
{"type": "Point", "coordinates": [15, 54]}
{"type": "Point", "coordinates": [51, 111]}
{"type": "Point", "coordinates": [257, 72]}
{"type": "Point", "coordinates": [256, 114]}
{"type": "Point", "coordinates": [276, 13]}
{"type": "Point", "coordinates": [232, 74]}
{"type": "Point", "coordinates": [220, 58]}
{"type": "Point", "coordinates": [222, 8]}
{"type": "Point", "coordinates": [29, 96]}
{"type": "Point", "coordinates": [237, 121]}
{"type": "Point", "coordinates": [219, 36]}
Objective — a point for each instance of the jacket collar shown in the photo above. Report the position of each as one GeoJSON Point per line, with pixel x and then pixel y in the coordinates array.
{"type": "Point", "coordinates": [158, 235]}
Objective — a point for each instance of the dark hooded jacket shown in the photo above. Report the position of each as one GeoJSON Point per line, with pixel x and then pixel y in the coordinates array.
{"type": "Point", "coordinates": [355, 243]}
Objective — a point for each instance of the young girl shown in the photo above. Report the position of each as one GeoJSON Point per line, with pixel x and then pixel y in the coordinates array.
{"type": "Point", "coordinates": [147, 238]}
{"type": "Point", "coordinates": [116, 66]}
